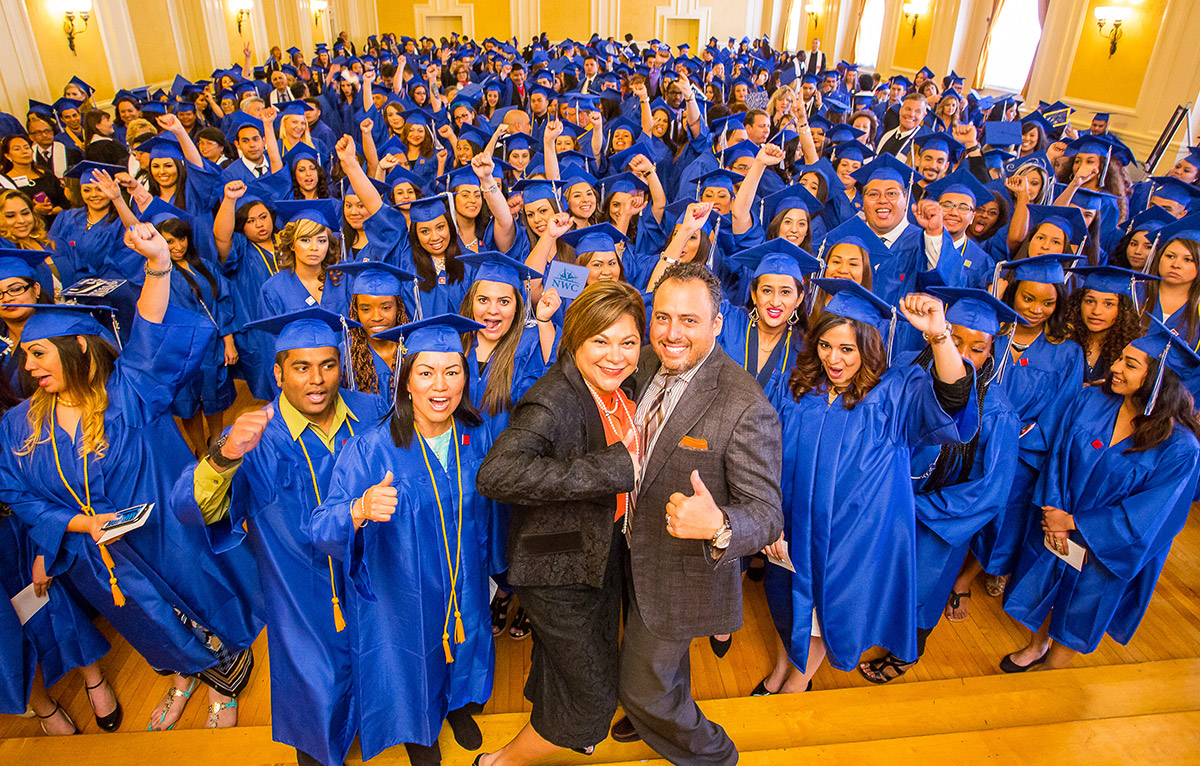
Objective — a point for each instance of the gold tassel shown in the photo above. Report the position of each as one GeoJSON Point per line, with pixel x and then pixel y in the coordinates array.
{"type": "Point", "coordinates": [460, 635]}
{"type": "Point", "coordinates": [339, 622]}
{"type": "Point", "coordinates": [118, 596]}
{"type": "Point", "coordinates": [446, 647]}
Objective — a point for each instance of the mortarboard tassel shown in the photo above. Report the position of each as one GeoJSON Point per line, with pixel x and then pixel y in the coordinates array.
{"type": "Point", "coordinates": [116, 328]}
{"type": "Point", "coordinates": [339, 621]}
{"type": "Point", "coordinates": [1158, 378]}
{"type": "Point", "coordinates": [446, 647]}
{"type": "Point", "coordinates": [460, 634]}
{"type": "Point", "coordinates": [106, 557]}
{"type": "Point", "coordinates": [891, 335]}
{"type": "Point", "coordinates": [1150, 257]}
{"type": "Point", "coordinates": [349, 366]}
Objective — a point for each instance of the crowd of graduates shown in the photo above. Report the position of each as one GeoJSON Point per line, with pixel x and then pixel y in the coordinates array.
{"type": "Point", "coordinates": [322, 226]}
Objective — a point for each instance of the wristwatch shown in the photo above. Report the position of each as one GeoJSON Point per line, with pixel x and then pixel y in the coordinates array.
{"type": "Point", "coordinates": [216, 458]}
{"type": "Point", "coordinates": [724, 535]}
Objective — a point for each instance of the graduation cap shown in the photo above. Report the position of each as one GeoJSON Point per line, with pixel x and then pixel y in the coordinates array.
{"type": "Point", "coordinates": [40, 108]}
{"type": "Point", "coordinates": [841, 133]}
{"type": "Point", "coordinates": [1101, 146]}
{"type": "Point", "coordinates": [1149, 220]}
{"type": "Point", "coordinates": [1068, 219]}
{"type": "Point", "coordinates": [240, 120]}
{"type": "Point", "coordinates": [1036, 118]}
{"type": "Point", "coordinates": [294, 51]}
{"type": "Point", "coordinates": [961, 181]}
{"type": "Point", "coordinates": [885, 167]}
{"type": "Point", "coordinates": [793, 197]}
{"type": "Point", "coordinates": [64, 319]}
{"type": "Point", "coordinates": [85, 171]}
{"type": "Point", "coordinates": [163, 146]}
{"type": "Point", "coordinates": [1187, 228]}
{"type": "Point", "coordinates": [939, 142]}
{"type": "Point", "coordinates": [160, 211]}
{"type": "Point", "coordinates": [493, 266]}
{"type": "Point", "coordinates": [778, 256]}
{"type": "Point", "coordinates": [88, 89]}
{"type": "Point", "coordinates": [741, 150]}
{"type": "Point", "coordinates": [65, 104]}
{"type": "Point", "coordinates": [399, 175]}
{"type": "Point", "coordinates": [301, 152]}
{"type": "Point", "coordinates": [854, 231]}
{"type": "Point", "coordinates": [573, 175]}
{"type": "Point", "coordinates": [994, 159]}
{"type": "Point", "coordinates": [374, 277]}
{"type": "Point", "coordinates": [1112, 279]}
{"type": "Point", "coordinates": [600, 238]}
{"type": "Point", "coordinates": [1088, 199]}
{"type": "Point", "coordinates": [1043, 269]}
{"type": "Point", "coordinates": [627, 183]}
{"type": "Point", "coordinates": [441, 333]}
{"type": "Point", "coordinates": [537, 189]}
{"type": "Point", "coordinates": [16, 263]}
{"type": "Point", "coordinates": [853, 150]}
{"type": "Point", "coordinates": [976, 309]}
{"type": "Point", "coordinates": [621, 159]}
{"type": "Point", "coordinates": [851, 300]}
{"type": "Point", "coordinates": [998, 133]}
{"type": "Point", "coordinates": [626, 124]}
{"type": "Point", "coordinates": [295, 108]}
{"type": "Point", "coordinates": [719, 179]}
{"type": "Point", "coordinates": [1162, 343]}
{"type": "Point", "coordinates": [312, 327]}
{"type": "Point", "coordinates": [1171, 188]}
{"type": "Point", "coordinates": [319, 211]}
{"type": "Point", "coordinates": [428, 209]}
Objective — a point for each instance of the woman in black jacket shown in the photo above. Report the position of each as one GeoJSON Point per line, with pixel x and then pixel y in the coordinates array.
{"type": "Point", "coordinates": [566, 464]}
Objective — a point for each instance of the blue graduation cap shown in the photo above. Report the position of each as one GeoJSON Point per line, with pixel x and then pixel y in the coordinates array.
{"type": "Point", "coordinates": [40, 108]}
{"type": "Point", "coordinates": [741, 150]}
{"type": "Point", "coordinates": [64, 319]}
{"type": "Point", "coordinates": [961, 181]}
{"type": "Point", "coordinates": [18, 263]}
{"type": "Point", "coordinates": [1088, 199]}
{"type": "Point", "coordinates": [779, 256]}
{"type": "Point", "coordinates": [994, 159]}
{"type": "Point", "coordinates": [88, 89]}
{"type": "Point", "coordinates": [851, 300]}
{"type": "Point", "coordinates": [1036, 118]}
{"type": "Point", "coordinates": [159, 211]}
{"type": "Point", "coordinates": [574, 174]}
{"type": "Point", "coordinates": [85, 171]}
{"type": "Point", "coordinates": [1149, 221]}
{"type": "Point", "coordinates": [1112, 279]}
{"type": "Point", "coordinates": [493, 266]}
{"type": "Point", "coordinates": [600, 238]}
{"type": "Point", "coordinates": [1163, 344]}
{"type": "Point", "coordinates": [297, 109]}
{"type": "Point", "coordinates": [239, 121]}
{"type": "Point", "coordinates": [841, 133]}
{"type": "Point", "coordinates": [428, 209]}
{"type": "Point", "coordinates": [1187, 227]}
{"type": "Point", "coordinates": [301, 152]}
{"type": "Point", "coordinates": [163, 146]}
{"type": "Point", "coordinates": [790, 197]}
{"type": "Point", "coordinates": [319, 211]}
{"type": "Point", "coordinates": [620, 160]}
{"type": "Point", "coordinates": [939, 142]}
{"type": "Point", "coordinates": [854, 231]}
{"type": "Point", "coordinates": [536, 189]}
{"type": "Point", "coordinates": [853, 150]}
{"type": "Point", "coordinates": [312, 327]}
{"type": "Point", "coordinates": [997, 133]}
{"type": "Point", "coordinates": [1043, 269]}
{"type": "Point", "coordinates": [474, 135]}
{"type": "Point", "coordinates": [926, 71]}
{"type": "Point", "coordinates": [374, 277]}
{"type": "Point", "coordinates": [399, 175]}
{"type": "Point", "coordinates": [627, 183]}
{"type": "Point", "coordinates": [441, 333]}
{"type": "Point", "coordinates": [885, 167]}
{"type": "Point", "coordinates": [1068, 219]}
{"type": "Point", "coordinates": [1171, 188]}
{"type": "Point", "coordinates": [719, 179]}
{"type": "Point", "coordinates": [1102, 146]}
{"type": "Point", "coordinates": [976, 309]}
{"type": "Point", "coordinates": [65, 105]}
{"type": "Point", "coordinates": [824, 168]}
{"type": "Point", "coordinates": [518, 141]}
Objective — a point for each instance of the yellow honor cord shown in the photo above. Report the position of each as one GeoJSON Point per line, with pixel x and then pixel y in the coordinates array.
{"type": "Point", "coordinates": [273, 266]}
{"type": "Point", "coordinates": [787, 347]}
{"type": "Point", "coordinates": [86, 507]}
{"type": "Point", "coordinates": [452, 565]}
{"type": "Point", "coordinates": [339, 620]}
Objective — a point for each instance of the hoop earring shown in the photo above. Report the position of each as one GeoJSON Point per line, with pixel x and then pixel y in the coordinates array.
{"type": "Point", "coordinates": [794, 318]}
{"type": "Point", "coordinates": [754, 315]}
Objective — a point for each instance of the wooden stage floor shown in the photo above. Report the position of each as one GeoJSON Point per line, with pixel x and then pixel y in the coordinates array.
{"type": "Point", "coordinates": [1170, 630]}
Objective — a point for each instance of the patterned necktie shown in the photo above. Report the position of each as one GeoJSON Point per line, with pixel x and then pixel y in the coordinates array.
{"type": "Point", "coordinates": [657, 411]}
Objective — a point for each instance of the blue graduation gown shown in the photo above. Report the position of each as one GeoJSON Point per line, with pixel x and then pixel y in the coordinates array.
{"type": "Point", "coordinates": [285, 292]}
{"type": "Point", "coordinates": [247, 268]}
{"type": "Point", "coordinates": [947, 518]}
{"type": "Point", "coordinates": [740, 340]}
{"type": "Point", "coordinates": [211, 386]}
{"type": "Point", "coordinates": [144, 457]}
{"type": "Point", "coordinates": [59, 637]}
{"type": "Point", "coordinates": [399, 572]}
{"type": "Point", "coordinates": [97, 249]}
{"type": "Point", "coordinates": [313, 707]}
{"type": "Point", "coordinates": [853, 541]}
{"type": "Point", "coordinates": [1040, 385]}
{"type": "Point", "coordinates": [1128, 508]}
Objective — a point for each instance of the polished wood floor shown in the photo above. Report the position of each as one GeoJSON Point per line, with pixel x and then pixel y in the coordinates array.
{"type": "Point", "coordinates": [1170, 630]}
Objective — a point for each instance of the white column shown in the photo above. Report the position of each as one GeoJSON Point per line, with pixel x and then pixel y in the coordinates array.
{"type": "Point", "coordinates": [606, 15]}
{"type": "Point", "coordinates": [187, 59]}
{"type": "Point", "coordinates": [526, 15]}
{"type": "Point", "coordinates": [1065, 22]}
{"type": "Point", "coordinates": [120, 48]}
{"type": "Point", "coordinates": [887, 41]}
{"type": "Point", "coordinates": [942, 35]}
{"type": "Point", "coordinates": [258, 33]}
{"type": "Point", "coordinates": [754, 16]}
{"type": "Point", "coordinates": [215, 35]}
{"type": "Point", "coordinates": [20, 60]}
{"type": "Point", "coordinates": [305, 22]}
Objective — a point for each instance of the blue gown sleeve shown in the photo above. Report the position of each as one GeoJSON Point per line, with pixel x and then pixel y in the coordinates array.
{"type": "Point", "coordinates": [155, 363]}
{"type": "Point", "coordinates": [919, 418]}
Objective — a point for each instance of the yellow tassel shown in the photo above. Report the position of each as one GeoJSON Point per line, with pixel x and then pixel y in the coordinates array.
{"type": "Point", "coordinates": [339, 621]}
{"type": "Point", "coordinates": [460, 635]}
{"type": "Point", "coordinates": [446, 647]}
{"type": "Point", "coordinates": [118, 596]}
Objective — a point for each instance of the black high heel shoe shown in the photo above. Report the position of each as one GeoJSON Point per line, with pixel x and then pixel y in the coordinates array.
{"type": "Point", "coordinates": [57, 708]}
{"type": "Point", "coordinates": [720, 648]}
{"type": "Point", "coordinates": [112, 721]}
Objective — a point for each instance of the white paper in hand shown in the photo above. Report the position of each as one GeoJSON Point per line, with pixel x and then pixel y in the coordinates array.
{"type": "Point", "coordinates": [1075, 556]}
{"type": "Point", "coordinates": [568, 278]}
{"type": "Point", "coordinates": [785, 561]}
{"type": "Point", "coordinates": [27, 603]}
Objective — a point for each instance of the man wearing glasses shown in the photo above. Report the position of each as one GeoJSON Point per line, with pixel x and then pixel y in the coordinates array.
{"type": "Point", "coordinates": [49, 155]}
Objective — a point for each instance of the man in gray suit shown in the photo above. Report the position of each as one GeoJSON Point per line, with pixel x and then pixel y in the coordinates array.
{"type": "Point", "coordinates": [708, 495]}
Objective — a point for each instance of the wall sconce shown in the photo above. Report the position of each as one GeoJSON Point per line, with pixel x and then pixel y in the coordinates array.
{"type": "Point", "coordinates": [814, 17]}
{"type": "Point", "coordinates": [1115, 15]}
{"type": "Point", "coordinates": [915, 8]}
{"type": "Point", "coordinates": [318, 7]}
{"type": "Point", "coordinates": [243, 8]}
{"type": "Point", "coordinates": [80, 9]}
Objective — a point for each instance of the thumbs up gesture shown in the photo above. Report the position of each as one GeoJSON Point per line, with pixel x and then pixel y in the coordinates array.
{"type": "Point", "coordinates": [378, 503]}
{"type": "Point", "coordinates": [696, 517]}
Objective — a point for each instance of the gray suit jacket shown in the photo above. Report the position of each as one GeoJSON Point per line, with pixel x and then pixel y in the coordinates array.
{"type": "Point", "coordinates": [681, 592]}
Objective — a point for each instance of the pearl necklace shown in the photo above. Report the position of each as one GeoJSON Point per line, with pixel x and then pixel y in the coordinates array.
{"type": "Point", "coordinates": [608, 415]}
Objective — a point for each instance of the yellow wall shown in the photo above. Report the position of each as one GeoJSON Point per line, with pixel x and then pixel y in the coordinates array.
{"type": "Point", "coordinates": [638, 20]}
{"type": "Point", "coordinates": [156, 42]}
{"type": "Point", "coordinates": [1116, 80]}
{"type": "Point", "coordinates": [88, 62]}
{"type": "Point", "coordinates": [561, 20]}
{"type": "Point", "coordinates": [912, 50]}
{"type": "Point", "coordinates": [494, 19]}
{"type": "Point", "coordinates": [397, 16]}
{"type": "Point", "coordinates": [238, 39]}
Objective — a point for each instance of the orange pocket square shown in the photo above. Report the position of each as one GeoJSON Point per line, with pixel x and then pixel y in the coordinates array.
{"type": "Point", "coordinates": [689, 442]}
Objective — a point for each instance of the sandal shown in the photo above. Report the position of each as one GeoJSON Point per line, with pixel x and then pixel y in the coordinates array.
{"type": "Point", "coordinates": [57, 709]}
{"type": "Point", "coordinates": [954, 604]}
{"type": "Point", "coordinates": [500, 605]}
{"type": "Point", "coordinates": [112, 721]}
{"type": "Point", "coordinates": [172, 695]}
{"type": "Point", "coordinates": [521, 626]}
{"type": "Point", "coordinates": [996, 584]}
{"type": "Point", "coordinates": [215, 709]}
{"type": "Point", "coordinates": [875, 670]}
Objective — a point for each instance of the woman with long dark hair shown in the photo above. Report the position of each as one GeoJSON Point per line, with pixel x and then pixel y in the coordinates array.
{"type": "Point", "coordinates": [96, 439]}
{"type": "Point", "coordinates": [1116, 489]}
{"type": "Point", "coordinates": [178, 173]}
{"type": "Point", "coordinates": [849, 416]}
{"type": "Point", "coordinates": [1102, 316]}
{"type": "Point", "coordinates": [377, 303]}
{"type": "Point", "coordinates": [1175, 301]}
{"type": "Point", "coordinates": [425, 556]}
{"type": "Point", "coordinates": [18, 171]}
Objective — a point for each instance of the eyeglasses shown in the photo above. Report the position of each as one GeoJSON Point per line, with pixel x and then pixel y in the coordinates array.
{"type": "Point", "coordinates": [961, 207]}
{"type": "Point", "coordinates": [15, 290]}
{"type": "Point", "coordinates": [891, 195]}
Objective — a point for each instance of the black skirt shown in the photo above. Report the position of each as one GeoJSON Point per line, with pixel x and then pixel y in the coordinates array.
{"type": "Point", "coordinates": [576, 640]}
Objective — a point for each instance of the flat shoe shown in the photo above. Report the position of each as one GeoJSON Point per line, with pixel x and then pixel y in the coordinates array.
{"type": "Point", "coordinates": [624, 731]}
{"type": "Point", "coordinates": [1008, 666]}
{"type": "Point", "coordinates": [761, 690]}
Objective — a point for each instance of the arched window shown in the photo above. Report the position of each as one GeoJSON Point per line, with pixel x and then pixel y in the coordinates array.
{"type": "Point", "coordinates": [1014, 40]}
{"type": "Point", "coordinates": [870, 33]}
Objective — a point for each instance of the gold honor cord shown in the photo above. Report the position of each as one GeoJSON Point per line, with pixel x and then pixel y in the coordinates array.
{"type": "Point", "coordinates": [452, 565]}
{"type": "Point", "coordinates": [273, 265]}
{"type": "Point", "coordinates": [339, 621]}
{"type": "Point", "coordinates": [86, 507]}
{"type": "Point", "coordinates": [787, 347]}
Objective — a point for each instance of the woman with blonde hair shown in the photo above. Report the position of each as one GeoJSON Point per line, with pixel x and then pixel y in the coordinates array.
{"type": "Point", "coordinates": [305, 249]}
